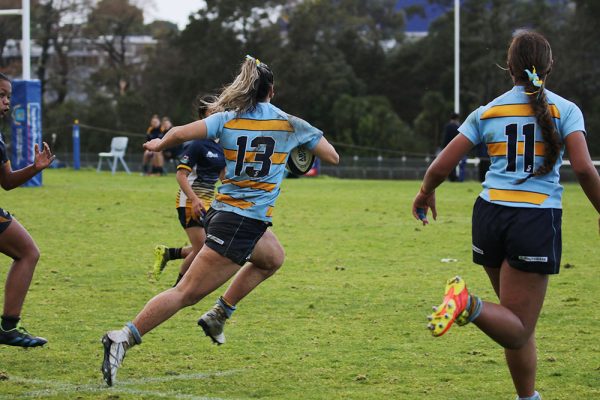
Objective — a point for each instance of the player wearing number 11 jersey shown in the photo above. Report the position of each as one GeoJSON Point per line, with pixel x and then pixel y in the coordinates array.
{"type": "Point", "coordinates": [516, 225]}
{"type": "Point", "coordinates": [257, 138]}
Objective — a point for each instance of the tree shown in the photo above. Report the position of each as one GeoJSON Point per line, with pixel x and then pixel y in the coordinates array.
{"type": "Point", "coordinates": [110, 24]}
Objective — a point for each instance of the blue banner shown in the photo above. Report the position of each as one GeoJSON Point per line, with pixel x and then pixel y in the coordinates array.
{"type": "Point", "coordinates": [26, 106]}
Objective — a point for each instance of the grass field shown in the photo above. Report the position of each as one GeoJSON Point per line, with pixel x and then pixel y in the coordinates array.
{"type": "Point", "coordinates": [343, 319]}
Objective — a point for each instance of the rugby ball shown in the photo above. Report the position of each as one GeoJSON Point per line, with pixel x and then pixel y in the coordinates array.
{"type": "Point", "coordinates": [300, 160]}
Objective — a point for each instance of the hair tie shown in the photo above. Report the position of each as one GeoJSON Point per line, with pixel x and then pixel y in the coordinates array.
{"type": "Point", "coordinates": [534, 78]}
{"type": "Point", "coordinates": [256, 60]}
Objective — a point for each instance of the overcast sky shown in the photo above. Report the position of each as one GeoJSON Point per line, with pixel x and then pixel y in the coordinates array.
{"type": "Point", "coordinates": [171, 10]}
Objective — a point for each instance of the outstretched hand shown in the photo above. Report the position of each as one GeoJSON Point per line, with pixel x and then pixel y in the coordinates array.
{"type": "Point", "coordinates": [421, 205]}
{"type": "Point", "coordinates": [42, 158]}
{"type": "Point", "coordinates": [152, 145]}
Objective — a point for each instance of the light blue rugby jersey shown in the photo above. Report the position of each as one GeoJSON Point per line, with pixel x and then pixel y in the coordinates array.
{"type": "Point", "coordinates": [507, 126]}
{"type": "Point", "coordinates": [256, 146]}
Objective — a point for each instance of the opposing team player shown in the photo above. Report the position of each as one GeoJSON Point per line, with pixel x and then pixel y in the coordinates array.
{"type": "Point", "coordinates": [15, 241]}
{"type": "Point", "coordinates": [200, 166]}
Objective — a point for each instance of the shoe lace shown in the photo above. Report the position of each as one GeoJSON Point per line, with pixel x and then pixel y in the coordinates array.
{"type": "Point", "coordinates": [218, 313]}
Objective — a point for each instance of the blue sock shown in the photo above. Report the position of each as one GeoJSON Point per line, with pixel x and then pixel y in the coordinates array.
{"type": "Point", "coordinates": [134, 332]}
{"type": "Point", "coordinates": [476, 310]}
{"type": "Point", "coordinates": [228, 308]}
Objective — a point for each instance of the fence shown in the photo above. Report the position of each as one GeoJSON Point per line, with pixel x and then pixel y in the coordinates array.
{"type": "Point", "coordinates": [403, 168]}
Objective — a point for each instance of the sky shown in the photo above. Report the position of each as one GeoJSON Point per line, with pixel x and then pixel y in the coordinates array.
{"type": "Point", "coordinates": [171, 10]}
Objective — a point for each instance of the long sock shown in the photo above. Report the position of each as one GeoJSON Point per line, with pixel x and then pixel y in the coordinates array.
{"type": "Point", "coordinates": [174, 253]}
{"type": "Point", "coordinates": [145, 168]}
{"type": "Point", "coordinates": [9, 322]}
{"type": "Point", "coordinates": [228, 308]}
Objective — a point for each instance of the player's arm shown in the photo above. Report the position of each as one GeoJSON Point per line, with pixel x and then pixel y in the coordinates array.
{"type": "Point", "coordinates": [178, 135]}
{"type": "Point", "coordinates": [584, 169]}
{"type": "Point", "coordinates": [437, 172]}
{"type": "Point", "coordinates": [197, 204]}
{"type": "Point", "coordinates": [10, 179]}
{"type": "Point", "coordinates": [326, 152]}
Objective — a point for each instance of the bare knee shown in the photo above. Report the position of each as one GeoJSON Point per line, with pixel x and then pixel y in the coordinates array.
{"type": "Point", "coordinates": [29, 253]}
{"type": "Point", "coordinates": [189, 294]}
{"type": "Point", "coordinates": [518, 339]}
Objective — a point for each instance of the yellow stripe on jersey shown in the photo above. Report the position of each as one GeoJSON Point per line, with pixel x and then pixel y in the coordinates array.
{"type": "Point", "coordinates": [250, 156]}
{"type": "Point", "coordinates": [270, 211]}
{"type": "Point", "coordinates": [517, 196]}
{"type": "Point", "coordinates": [2, 220]}
{"type": "Point", "coordinates": [267, 187]}
{"type": "Point", "coordinates": [259, 125]}
{"type": "Point", "coordinates": [239, 203]}
{"type": "Point", "coordinates": [181, 166]}
{"type": "Point", "coordinates": [515, 110]}
{"type": "Point", "coordinates": [499, 149]}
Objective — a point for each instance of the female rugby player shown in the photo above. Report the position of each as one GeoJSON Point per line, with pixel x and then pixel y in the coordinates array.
{"type": "Point", "coordinates": [15, 241]}
{"type": "Point", "coordinates": [200, 166]}
{"type": "Point", "coordinates": [516, 224]}
{"type": "Point", "coordinates": [257, 138]}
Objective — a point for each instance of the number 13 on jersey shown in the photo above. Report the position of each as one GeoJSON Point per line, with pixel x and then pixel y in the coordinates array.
{"type": "Point", "coordinates": [262, 156]}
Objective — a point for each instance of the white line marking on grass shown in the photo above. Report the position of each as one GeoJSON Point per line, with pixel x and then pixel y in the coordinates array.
{"type": "Point", "coordinates": [54, 388]}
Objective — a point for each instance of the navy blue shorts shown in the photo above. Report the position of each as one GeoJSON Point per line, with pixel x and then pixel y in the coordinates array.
{"type": "Point", "coordinates": [5, 219]}
{"type": "Point", "coordinates": [187, 220]}
{"type": "Point", "coordinates": [528, 238]}
{"type": "Point", "coordinates": [232, 235]}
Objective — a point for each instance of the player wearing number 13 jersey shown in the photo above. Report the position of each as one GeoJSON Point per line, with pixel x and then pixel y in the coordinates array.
{"type": "Point", "coordinates": [257, 138]}
{"type": "Point", "coordinates": [516, 227]}
{"type": "Point", "coordinates": [256, 146]}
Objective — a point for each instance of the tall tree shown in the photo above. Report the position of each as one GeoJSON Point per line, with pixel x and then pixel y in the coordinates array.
{"type": "Point", "coordinates": [110, 24]}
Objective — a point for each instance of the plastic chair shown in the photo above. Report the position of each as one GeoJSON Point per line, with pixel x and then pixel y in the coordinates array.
{"type": "Point", "coordinates": [118, 145]}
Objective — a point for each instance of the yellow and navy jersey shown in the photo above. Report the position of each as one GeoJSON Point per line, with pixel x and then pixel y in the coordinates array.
{"type": "Point", "coordinates": [3, 152]}
{"type": "Point", "coordinates": [204, 160]}
{"type": "Point", "coordinates": [256, 146]}
{"type": "Point", "coordinates": [508, 127]}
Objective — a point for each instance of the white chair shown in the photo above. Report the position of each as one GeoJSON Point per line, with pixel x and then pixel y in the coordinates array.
{"type": "Point", "coordinates": [118, 145]}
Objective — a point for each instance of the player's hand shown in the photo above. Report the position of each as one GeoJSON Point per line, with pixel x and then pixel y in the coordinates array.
{"type": "Point", "coordinates": [421, 205]}
{"type": "Point", "coordinates": [152, 145]}
{"type": "Point", "coordinates": [198, 209]}
{"type": "Point", "coordinates": [43, 158]}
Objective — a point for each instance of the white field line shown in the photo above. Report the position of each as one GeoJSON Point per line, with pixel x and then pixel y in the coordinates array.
{"type": "Point", "coordinates": [54, 388]}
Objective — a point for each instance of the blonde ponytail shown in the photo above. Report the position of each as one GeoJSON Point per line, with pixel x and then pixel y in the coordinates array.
{"type": "Point", "coordinates": [246, 90]}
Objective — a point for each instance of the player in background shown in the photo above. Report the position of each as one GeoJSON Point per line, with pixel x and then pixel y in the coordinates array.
{"type": "Point", "coordinates": [155, 159]}
{"type": "Point", "coordinates": [200, 166]}
{"type": "Point", "coordinates": [516, 225]}
{"type": "Point", "coordinates": [15, 241]}
{"type": "Point", "coordinates": [256, 138]}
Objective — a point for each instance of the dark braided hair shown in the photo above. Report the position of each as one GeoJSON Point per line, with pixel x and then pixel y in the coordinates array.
{"type": "Point", "coordinates": [529, 50]}
{"type": "Point", "coordinates": [4, 77]}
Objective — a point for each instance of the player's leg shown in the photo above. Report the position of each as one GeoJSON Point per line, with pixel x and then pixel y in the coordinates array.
{"type": "Point", "coordinates": [208, 271]}
{"type": "Point", "coordinates": [266, 259]}
{"type": "Point", "coordinates": [146, 161]}
{"type": "Point", "coordinates": [196, 235]}
{"type": "Point", "coordinates": [512, 322]}
{"type": "Point", "coordinates": [16, 243]}
{"type": "Point", "coordinates": [164, 254]}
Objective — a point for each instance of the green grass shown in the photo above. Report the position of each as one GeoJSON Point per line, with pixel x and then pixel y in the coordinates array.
{"type": "Point", "coordinates": [343, 319]}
